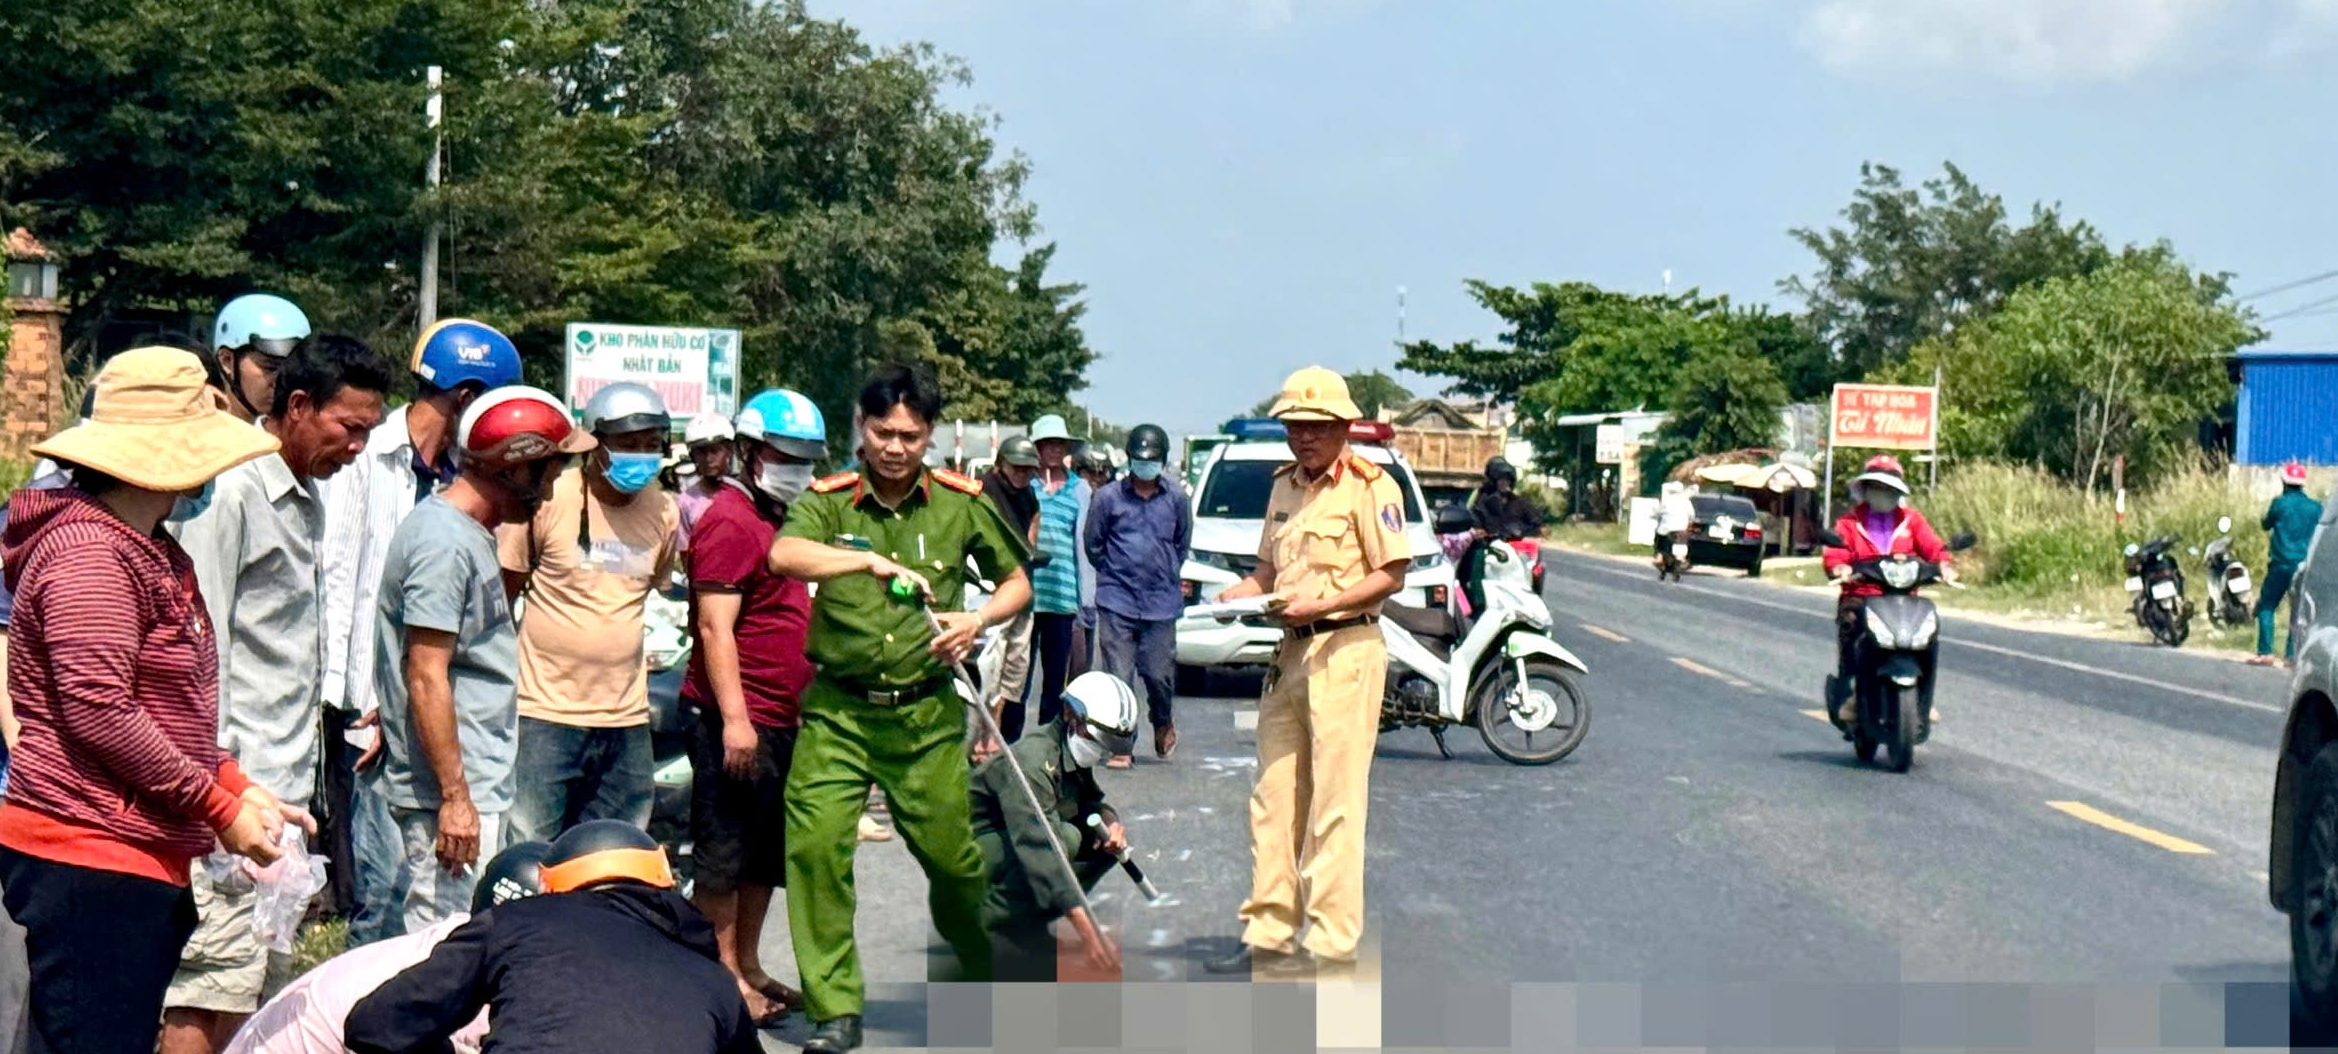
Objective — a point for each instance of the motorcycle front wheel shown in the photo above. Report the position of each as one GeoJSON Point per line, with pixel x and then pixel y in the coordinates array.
{"type": "Point", "coordinates": [1901, 752]}
{"type": "Point", "coordinates": [1544, 726]}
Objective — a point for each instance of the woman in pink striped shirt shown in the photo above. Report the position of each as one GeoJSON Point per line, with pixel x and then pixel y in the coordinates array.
{"type": "Point", "coordinates": [117, 783]}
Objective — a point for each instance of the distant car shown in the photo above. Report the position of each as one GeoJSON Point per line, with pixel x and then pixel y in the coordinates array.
{"type": "Point", "coordinates": [1229, 511]}
{"type": "Point", "coordinates": [1725, 531]}
{"type": "Point", "coordinates": [2301, 874]}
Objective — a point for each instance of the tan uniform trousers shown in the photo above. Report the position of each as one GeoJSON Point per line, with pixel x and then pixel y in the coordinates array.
{"type": "Point", "coordinates": [1317, 725]}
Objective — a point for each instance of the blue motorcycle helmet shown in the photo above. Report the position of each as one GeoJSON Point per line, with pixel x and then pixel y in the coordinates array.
{"type": "Point", "coordinates": [255, 323]}
{"type": "Point", "coordinates": [458, 351]}
{"type": "Point", "coordinates": [786, 421]}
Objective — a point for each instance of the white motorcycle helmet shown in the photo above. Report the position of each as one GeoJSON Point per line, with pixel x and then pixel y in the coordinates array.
{"type": "Point", "coordinates": [1108, 717]}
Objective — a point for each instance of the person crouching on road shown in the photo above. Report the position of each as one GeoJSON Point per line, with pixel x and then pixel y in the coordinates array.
{"type": "Point", "coordinates": [118, 782]}
{"type": "Point", "coordinates": [308, 1016]}
{"type": "Point", "coordinates": [1333, 550]}
{"type": "Point", "coordinates": [608, 960]}
{"type": "Point", "coordinates": [1029, 886]}
{"type": "Point", "coordinates": [447, 655]}
{"type": "Point", "coordinates": [1881, 523]}
{"type": "Point", "coordinates": [747, 678]}
{"type": "Point", "coordinates": [2291, 521]}
{"type": "Point", "coordinates": [601, 543]}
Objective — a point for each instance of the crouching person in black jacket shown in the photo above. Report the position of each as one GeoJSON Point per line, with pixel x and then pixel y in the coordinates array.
{"type": "Point", "coordinates": [610, 961]}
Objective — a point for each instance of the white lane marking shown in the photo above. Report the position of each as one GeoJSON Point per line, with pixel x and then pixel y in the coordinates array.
{"type": "Point", "coordinates": [1245, 720]}
{"type": "Point", "coordinates": [2078, 667]}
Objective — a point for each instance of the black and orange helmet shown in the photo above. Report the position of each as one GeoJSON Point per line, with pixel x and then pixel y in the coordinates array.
{"type": "Point", "coordinates": [602, 851]}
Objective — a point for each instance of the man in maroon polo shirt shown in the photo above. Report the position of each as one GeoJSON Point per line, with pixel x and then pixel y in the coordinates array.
{"type": "Point", "coordinates": [747, 675]}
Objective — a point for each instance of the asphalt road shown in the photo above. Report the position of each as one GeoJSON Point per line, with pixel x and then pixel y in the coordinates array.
{"type": "Point", "coordinates": [2076, 859]}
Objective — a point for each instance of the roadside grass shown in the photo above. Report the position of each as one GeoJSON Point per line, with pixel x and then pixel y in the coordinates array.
{"type": "Point", "coordinates": [2049, 552]}
{"type": "Point", "coordinates": [319, 940]}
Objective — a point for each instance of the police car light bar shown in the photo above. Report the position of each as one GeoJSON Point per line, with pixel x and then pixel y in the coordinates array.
{"type": "Point", "coordinates": [1371, 431]}
{"type": "Point", "coordinates": [1256, 428]}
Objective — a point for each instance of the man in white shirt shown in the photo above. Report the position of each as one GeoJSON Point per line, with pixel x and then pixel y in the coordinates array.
{"type": "Point", "coordinates": [406, 459]}
{"type": "Point", "coordinates": [308, 1016]}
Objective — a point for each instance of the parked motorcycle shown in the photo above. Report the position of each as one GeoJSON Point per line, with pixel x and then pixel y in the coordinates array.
{"type": "Point", "coordinates": [666, 647]}
{"type": "Point", "coordinates": [1894, 679]}
{"type": "Point", "coordinates": [2228, 580]}
{"type": "Point", "coordinates": [1500, 671]}
{"type": "Point", "coordinates": [2155, 588]}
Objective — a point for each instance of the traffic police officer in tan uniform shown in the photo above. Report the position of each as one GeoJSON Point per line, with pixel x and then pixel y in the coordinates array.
{"type": "Point", "coordinates": [1333, 548]}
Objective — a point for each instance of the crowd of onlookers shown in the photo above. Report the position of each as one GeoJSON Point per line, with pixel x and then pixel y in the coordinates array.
{"type": "Point", "coordinates": [247, 596]}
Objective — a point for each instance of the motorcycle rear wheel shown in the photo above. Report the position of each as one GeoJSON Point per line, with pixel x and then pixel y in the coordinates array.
{"type": "Point", "coordinates": [1556, 685]}
{"type": "Point", "coordinates": [2168, 629]}
{"type": "Point", "coordinates": [1903, 703]}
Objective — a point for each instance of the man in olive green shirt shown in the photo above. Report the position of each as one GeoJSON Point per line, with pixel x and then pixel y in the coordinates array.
{"type": "Point", "coordinates": [882, 708]}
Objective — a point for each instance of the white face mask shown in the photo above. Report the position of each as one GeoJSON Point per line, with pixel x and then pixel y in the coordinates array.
{"type": "Point", "coordinates": [1086, 753]}
{"type": "Point", "coordinates": [781, 483]}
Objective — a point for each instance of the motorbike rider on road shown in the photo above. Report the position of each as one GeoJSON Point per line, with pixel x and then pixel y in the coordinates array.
{"type": "Point", "coordinates": [1501, 510]}
{"type": "Point", "coordinates": [1881, 523]}
{"type": "Point", "coordinates": [1674, 513]}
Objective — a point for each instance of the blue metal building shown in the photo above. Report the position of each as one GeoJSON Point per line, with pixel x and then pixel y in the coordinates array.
{"type": "Point", "coordinates": [2287, 408]}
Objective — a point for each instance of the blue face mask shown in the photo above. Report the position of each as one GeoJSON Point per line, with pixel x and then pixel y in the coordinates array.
{"type": "Point", "coordinates": [187, 508]}
{"type": "Point", "coordinates": [631, 472]}
{"type": "Point", "coordinates": [1145, 470]}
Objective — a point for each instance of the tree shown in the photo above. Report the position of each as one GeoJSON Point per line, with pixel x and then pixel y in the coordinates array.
{"type": "Point", "coordinates": [1725, 400]}
{"type": "Point", "coordinates": [2077, 370]}
{"type": "Point", "coordinates": [1910, 264]}
{"type": "Point", "coordinates": [681, 162]}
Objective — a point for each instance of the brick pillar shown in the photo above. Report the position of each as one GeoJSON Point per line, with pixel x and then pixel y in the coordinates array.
{"type": "Point", "coordinates": [34, 376]}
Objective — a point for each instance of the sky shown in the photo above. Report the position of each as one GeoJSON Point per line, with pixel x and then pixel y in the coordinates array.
{"type": "Point", "coordinates": [1244, 185]}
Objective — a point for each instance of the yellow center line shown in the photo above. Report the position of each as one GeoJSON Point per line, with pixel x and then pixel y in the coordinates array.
{"type": "Point", "coordinates": [1816, 715]}
{"type": "Point", "coordinates": [2140, 833]}
{"type": "Point", "coordinates": [1707, 671]}
{"type": "Point", "coordinates": [1602, 631]}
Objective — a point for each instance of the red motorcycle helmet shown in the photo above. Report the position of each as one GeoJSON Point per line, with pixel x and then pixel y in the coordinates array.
{"type": "Point", "coordinates": [513, 425]}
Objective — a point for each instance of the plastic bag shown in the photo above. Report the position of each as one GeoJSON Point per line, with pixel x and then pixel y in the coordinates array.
{"type": "Point", "coordinates": [282, 889]}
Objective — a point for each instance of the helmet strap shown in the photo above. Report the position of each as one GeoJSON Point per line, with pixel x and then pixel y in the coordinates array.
{"type": "Point", "coordinates": [235, 381]}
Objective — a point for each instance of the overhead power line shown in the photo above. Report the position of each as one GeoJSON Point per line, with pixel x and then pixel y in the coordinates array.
{"type": "Point", "coordinates": [2300, 309]}
{"type": "Point", "coordinates": [2287, 286]}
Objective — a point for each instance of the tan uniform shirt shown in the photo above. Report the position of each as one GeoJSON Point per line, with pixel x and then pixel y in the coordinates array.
{"type": "Point", "coordinates": [580, 658]}
{"type": "Point", "coordinates": [1323, 535]}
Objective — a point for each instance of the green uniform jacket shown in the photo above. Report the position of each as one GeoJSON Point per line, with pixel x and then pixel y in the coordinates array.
{"type": "Point", "coordinates": [861, 637]}
{"type": "Point", "coordinates": [2291, 519]}
{"type": "Point", "coordinates": [1027, 882]}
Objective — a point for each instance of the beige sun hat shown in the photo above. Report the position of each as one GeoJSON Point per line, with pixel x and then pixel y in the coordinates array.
{"type": "Point", "coordinates": [1315, 394]}
{"type": "Point", "coordinates": [157, 426]}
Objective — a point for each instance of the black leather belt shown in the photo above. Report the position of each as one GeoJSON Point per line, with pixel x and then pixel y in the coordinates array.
{"type": "Point", "coordinates": [1330, 625]}
{"type": "Point", "coordinates": [876, 695]}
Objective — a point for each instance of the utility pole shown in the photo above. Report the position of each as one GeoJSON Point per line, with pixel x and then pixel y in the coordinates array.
{"type": "Point", "coordinates": [1400, 316]}
{"type": "Point", "coordinates": [428, 302]}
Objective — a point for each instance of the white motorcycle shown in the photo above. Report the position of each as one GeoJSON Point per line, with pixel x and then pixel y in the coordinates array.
{"type": "Point", "coordinates": [1499, 669]}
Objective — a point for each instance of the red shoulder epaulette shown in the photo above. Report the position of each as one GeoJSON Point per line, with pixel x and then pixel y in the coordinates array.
{"type": "Point", "coordinates": [956, 482]}
{"type": "Point", "coordinates": [1364, 467]}
{"type": "Point", "coordinates": [835, 483]}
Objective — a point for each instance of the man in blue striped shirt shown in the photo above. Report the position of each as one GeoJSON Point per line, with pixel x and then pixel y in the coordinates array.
{"type": "Point", "coordinates": [1055, 588]}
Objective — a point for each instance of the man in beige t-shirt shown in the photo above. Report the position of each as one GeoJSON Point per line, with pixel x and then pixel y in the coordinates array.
{"type": "Point", "coordinates": [601, 542]}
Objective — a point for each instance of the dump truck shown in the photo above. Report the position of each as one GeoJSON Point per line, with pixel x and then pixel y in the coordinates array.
{"type": "Point", "coordinates": [1450, 463]}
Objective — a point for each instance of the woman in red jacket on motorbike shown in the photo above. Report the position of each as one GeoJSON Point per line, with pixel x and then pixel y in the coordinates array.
{"type": "Point", "coordinates": [1881, 524]}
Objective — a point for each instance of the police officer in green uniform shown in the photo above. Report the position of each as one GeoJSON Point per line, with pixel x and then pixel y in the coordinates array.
{"type": "Point", "coordinates": [881, 708]}
{"type": "Point", "coordinates": [1030, 886]}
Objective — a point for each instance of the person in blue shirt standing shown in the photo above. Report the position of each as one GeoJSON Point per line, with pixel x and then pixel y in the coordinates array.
{"type": "Point", "coordinates": [1138, 531]}
{"type": "Point", "coordinates": [2291, 520]}
{"type": "Point", "coordinates": [1055, 588]}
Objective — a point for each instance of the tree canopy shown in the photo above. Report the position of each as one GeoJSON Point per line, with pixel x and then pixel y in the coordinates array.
{"type": "Point", "coordinates": [655, 161]}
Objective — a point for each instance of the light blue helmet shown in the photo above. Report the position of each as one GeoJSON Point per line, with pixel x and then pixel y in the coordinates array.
{"type": "Point", "coordinates": [270, 325]}
{"type": "Point", "coordinates": [787, 421]}
{"type": "Point", "coordinates": [457, 351]}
